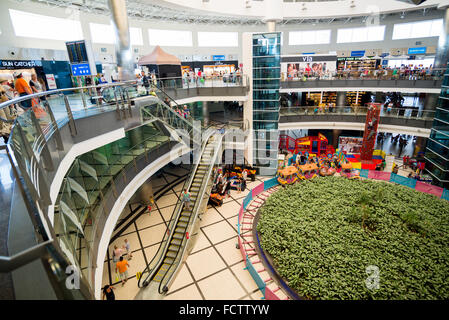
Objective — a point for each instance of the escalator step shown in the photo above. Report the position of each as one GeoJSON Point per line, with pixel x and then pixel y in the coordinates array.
{"type": "Point", "coordinates": [186, 219]}
{"type": "Point", "coordinates": [171, 254]}
{"type": "Point", "coordinates": [183, 225]}
{"type": "Point", "coordinates": [176, 242]}
{"type": "Point", "coordinates": [173, 248]}
{"type": "Point", "coordinates": [169, 260]}
{"type": "Point", "coordinates": [178, 236]}
{"type": "Point", "coordinates": [180, 229]}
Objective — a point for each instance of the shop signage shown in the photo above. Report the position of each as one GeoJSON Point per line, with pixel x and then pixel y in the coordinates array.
{"type": "Point", "coordinates": [81, 69]}
{"type": "Point", "coordinates": [310, 58]}
{"type": "Point", "coordinates": [359, 53]}
{"type": "Point", "coordinates": [20, 64]}
{"type": "Point", "coordinates": [219, 57]}
{"type": "Point", "coordinates": [51, 81]}
{"type": "Point", "coordinates": [417, 50]}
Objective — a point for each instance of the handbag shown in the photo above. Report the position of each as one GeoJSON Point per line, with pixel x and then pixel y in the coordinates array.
{"type": "Point", "coordinates": [37, 109]}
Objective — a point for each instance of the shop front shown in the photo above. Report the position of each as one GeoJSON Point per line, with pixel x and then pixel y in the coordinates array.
{"type": "Point", "coordinates": [356, 64]}
{"type": "Point", "coordinates": [52, 74]}
{"type": "Point", "coordinates": [211, 69]}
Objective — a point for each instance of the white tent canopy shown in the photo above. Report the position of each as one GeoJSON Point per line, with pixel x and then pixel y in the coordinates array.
{"type": "Point", "coordinates": [158, 57]}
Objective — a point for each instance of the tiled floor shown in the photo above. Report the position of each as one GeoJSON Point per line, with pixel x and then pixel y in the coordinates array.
{"type": "Point", "coordinates": [213, 270]}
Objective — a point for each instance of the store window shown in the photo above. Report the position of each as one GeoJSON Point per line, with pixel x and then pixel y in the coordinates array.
{"type": "Point", "coordinates": [365, 34]}
{"type": "Point", "coordinates": [38, 26]}
{"type": "Point", "coordinates": [420, 29]}
{"type": "Point", "coordinates": [173, 38]}
{"type": "Point", "coordinates": [218, 39]}
{"type": "Point", "coordinates": [421, 63]}
{"type": "Point", "coordinates": [309, 37]}
{"type": "Point", "coordinates": [104, 33]}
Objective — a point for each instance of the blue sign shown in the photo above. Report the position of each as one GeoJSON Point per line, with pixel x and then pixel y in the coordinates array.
{"type": "Point", "coordinates": [81, 69]}
{"type": "Point", "coordinates": [417, 50]}
{"type": "Point", "coordinates": [385, 62]}
{"type": "Point", "coordinates": [359, 53]}
{"type": "Point", "coordinates": [219, 57]}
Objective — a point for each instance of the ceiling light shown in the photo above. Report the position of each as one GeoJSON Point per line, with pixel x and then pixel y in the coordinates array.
{"type": "Point", "coordinates": [402, 15]}
{"type": "Point", "coordinates": [304, 6]}
{"type": "Point", "coordinates": [352, 4]}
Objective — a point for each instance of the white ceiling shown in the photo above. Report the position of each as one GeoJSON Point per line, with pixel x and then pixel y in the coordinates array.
{"type": "Point", "coordinates": [304, 9]}
{"type": "Point", "coordinates": [234, 12]}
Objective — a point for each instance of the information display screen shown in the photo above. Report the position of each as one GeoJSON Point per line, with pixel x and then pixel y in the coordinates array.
{"type": "Point", "coordinates": [82, 69]}
{"type": "Point", "coordinates": [77, 51]}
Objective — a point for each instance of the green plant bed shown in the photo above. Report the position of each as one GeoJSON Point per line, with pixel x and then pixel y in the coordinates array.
{"type": "Point", "coordinates": [323, 235]}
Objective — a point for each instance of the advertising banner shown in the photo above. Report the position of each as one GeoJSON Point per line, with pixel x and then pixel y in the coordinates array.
{"type": "Point", "coordinates": [294, 67]}
{"type": "Point", "coordinates": [51, 81]}
{"type": "Point", "coordinates": [350, 144]}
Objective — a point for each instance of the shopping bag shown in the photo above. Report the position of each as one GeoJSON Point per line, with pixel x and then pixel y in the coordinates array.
{"type": "Point", "coordinates": [117, 278]}
{"type": "Point", "coordinates": [39, 112]}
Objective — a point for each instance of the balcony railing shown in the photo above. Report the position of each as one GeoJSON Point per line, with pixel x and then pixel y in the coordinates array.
{"type": "Point", "coordinates": [405, 113]}
{"type": "Point", "coordinates": [379, 74]}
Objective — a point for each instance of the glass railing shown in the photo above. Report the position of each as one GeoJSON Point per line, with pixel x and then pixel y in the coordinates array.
{"type": "Point", "coordinates": [405, 113]}
{"type": "Point", "coordinates": [205, 81]}
{"type": "Point", "coordinates": [90, 186]}
{"type": "Point", "coordinates": [33, 165]}
{"type": "Point", "coordinates": [81, 205]}
{"type": "Point", "coordinates": [380, 74]}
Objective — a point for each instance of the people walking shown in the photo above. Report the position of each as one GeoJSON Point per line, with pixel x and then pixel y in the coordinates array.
{"type": "Point", "coordinates": [145, 81]}
{"type": "Point", "coordinates": [128, 249]}
{"type": "Point", "coordinates": [185, 198]}
{"type": "Point", "coordinates": [23, 89]}
{"type": "Point", "coordinates": [108, 292]}
{"type": "Point", "coordinates": [122, 268]}
{"type": "Point", "coordinates": [116, 254]}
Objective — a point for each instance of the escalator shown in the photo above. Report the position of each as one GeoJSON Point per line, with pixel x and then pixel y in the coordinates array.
{"type": "Point", "coordinates": [160, 272]}
{"type": "Point", "coordinates": [206, 144]}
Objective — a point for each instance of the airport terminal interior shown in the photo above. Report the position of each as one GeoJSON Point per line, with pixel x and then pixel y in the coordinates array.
{"type": "Point", "coordinates": [224, 150]}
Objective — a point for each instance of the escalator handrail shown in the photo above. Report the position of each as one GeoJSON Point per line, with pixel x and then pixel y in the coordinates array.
{"type": "Point", "coordinates": [194, 211]}
{"type": "Point", "coordinates": [172, 100]}
{"type": "Point", "coordinates": [189, 124]}
{"type": "Point", "coordinates": [178, 214]}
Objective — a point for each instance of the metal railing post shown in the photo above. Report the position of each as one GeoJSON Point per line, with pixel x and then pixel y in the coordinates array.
{"type": "Point", "coordinates": [83, 98]}
{"type": "Point", "coordinates": [48, 162]}
{"type": "Point", "coordinates": [57, 133]}
{"type": "Point", "coordinates": [72, 124]}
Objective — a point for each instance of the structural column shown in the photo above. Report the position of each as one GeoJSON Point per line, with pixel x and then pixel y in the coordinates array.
{"type": "Point", "coordinates": [341, 99]}
{"type": "Point", "coordinates": [119, 19]}
{"type": "Point", "coordinates": [206, 113]}
{"type": "Point", "coordinates": [442, 55]}
{"type": "Point", "coordinates": [430, 101]}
